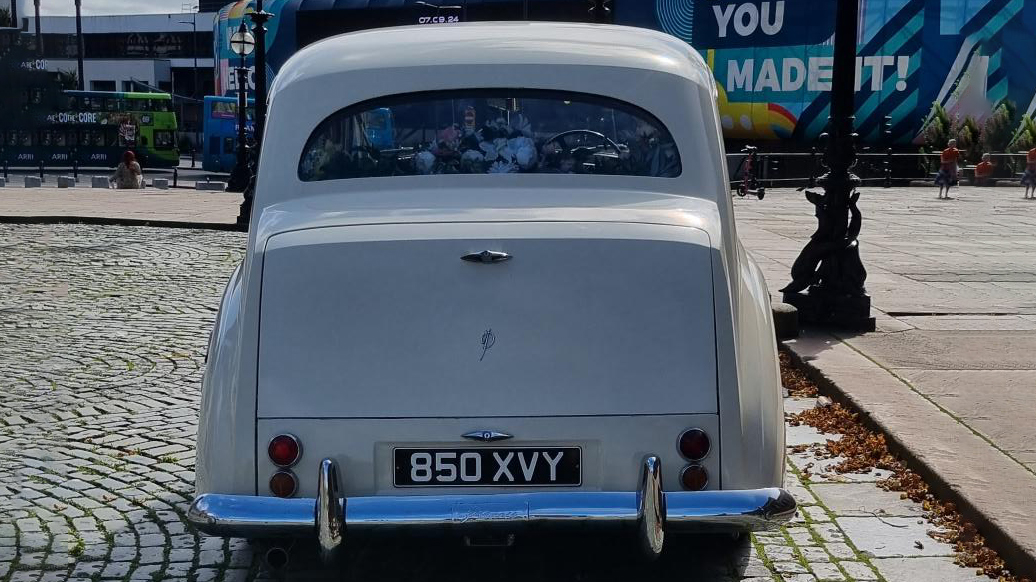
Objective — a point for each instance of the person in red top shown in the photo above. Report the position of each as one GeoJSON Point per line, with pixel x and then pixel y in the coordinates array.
{"type": "Point", "coordinates": [1029, 178]}
{"type": "Point", "coordinates": [947, 175]}
{"type": "Point", "coordinates": [984, 170]}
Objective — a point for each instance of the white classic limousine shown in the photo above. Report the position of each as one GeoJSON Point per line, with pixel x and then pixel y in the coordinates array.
{"type": "Point", "coordinates": [492, 284]}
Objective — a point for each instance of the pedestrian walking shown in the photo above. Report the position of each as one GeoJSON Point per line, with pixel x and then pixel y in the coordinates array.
{"type": "Point", "coordinates": [1029, 177]}
{"type": "Point", "coordinates": [947, 175]}
{"type": "Point", "coordinates": [128, 175]}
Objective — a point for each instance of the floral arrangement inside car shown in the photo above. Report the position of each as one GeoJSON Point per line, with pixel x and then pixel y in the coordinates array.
{"type": "Point", "coordinates": [523, 132]}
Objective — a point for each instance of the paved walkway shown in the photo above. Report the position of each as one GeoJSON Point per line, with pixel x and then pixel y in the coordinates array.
{"type": "Point", "coordinates": [953, 283]}
{"type": "Point", "coordinates": [174, 205]}
{"type": "Point", "coordinates": [104, 331]}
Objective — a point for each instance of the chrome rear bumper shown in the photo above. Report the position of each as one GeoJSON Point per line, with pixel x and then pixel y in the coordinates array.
{"type": "Point", "coordinates": [649, 511]}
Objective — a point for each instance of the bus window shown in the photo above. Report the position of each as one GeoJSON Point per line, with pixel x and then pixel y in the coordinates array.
{"type": "Point", "coordinates": [109, 104]}
{"type": "Point", "coordinates": [142, 105]}
{"type": "Point", "coordinates": [214, 145]}
{"type": "Point", "coordinates": [45, 137]}
{"type": "Point", "coordinates": [37, 95]}
{"type": "Point", "coordinates": [96, 103]}
{"type": "Point", "coordinates": [25, 137]}
{"type": "Point", "coordinates": [70, 139]}
{"type": "Point", "coordinates": [164, 140]}
{"type": "Point", "coordinates": [121, 105]}
{"type": "Point", "coordinates": [59, 139]}
{"type": "Point", "coordinates": [71, 102]}
{"type": "Point", "coordinates": [98, 138]}
{"type": "Point", "coordinates": [111, 137]}
{"type": "Point", "coordinates": [161, 105]}
{"type": "Point", "coordinates": [229, 145]}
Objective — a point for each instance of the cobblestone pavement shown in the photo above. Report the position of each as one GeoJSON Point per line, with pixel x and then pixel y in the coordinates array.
{"type": "Point", "coordinates": [102, 339]}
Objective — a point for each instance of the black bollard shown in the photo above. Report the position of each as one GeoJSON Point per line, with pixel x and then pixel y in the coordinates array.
{"type": "Point", "coordinates": [176, 175]}
{"type": "Point", "coordinates": [42, 179]}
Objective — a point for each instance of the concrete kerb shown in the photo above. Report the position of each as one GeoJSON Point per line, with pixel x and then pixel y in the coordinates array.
{"type": "Point", "coordinates": [1019, 556]}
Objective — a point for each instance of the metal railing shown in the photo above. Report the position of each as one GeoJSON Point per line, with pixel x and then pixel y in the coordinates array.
{"type": "Point", "coordinates": [75, 168]}
{"type": "Point", "coordinates": [875, 168]}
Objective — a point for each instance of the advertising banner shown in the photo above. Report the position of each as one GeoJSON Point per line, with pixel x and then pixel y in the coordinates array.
{"type": "Point", "coordinates": [772, 59]}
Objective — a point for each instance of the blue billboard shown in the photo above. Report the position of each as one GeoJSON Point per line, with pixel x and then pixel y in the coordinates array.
{"type": "Point", "coordinates": [772, 59]}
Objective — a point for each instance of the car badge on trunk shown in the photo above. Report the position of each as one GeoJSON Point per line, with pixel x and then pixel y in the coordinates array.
{"type": "Point", "coordinates": [487, 436]}
{"type": "Point", "coordinates": [486, 257]}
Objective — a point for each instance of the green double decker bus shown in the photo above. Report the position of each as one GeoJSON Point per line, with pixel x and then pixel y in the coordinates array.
{"type": "Point", "coordinates": [91, 129]}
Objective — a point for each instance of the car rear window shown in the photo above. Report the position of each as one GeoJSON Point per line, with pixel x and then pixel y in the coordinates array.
{"type": "Point", "coordinates": [498, 131]}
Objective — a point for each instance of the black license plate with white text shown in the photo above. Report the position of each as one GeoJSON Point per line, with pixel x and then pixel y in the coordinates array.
{"type": "Point", "coordinates": [501, 467]}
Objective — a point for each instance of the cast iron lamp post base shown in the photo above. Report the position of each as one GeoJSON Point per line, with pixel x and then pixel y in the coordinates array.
{"type": "Point", "coordinates": [828, 276]}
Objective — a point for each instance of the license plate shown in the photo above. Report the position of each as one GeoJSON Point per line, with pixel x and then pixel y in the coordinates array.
{"type": "Point", "coordinates": [501, 467]}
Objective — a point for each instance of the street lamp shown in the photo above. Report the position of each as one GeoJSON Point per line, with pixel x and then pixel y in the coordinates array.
{"type": "Point", "coordinates": [194, 51]}
{"type": "Point", "coordinates": [39, 38]}
{"type": "Point", "coordinates": [259, 19]}
{"type": "Point", "coordinates": [242, 43]}
{"type": "Point", "coordinates": [828, 275]}
{"type": "Point", "coordinates": [80, 45]}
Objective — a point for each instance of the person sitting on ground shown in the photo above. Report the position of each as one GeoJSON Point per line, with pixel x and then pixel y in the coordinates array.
{"type": "Point", "coordinates": [948, 169]}
{"type": "Point", "coordinates": [1029, 177]}
{"type": "Point", "coordinates": [128, 174]}
{"type": "Point", "coordinates": [984, 170]}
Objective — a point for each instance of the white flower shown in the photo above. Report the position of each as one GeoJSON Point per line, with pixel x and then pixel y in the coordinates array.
{"type": "Point", "coordinates": [424, 162]}
{"type": "Point", "coordinates": [472, 156]}
{"type": "Point", "coordinates": [506, 154]}
{"type": "Point", "coordinates": [521, 124]}
{"type": "Point", "coordinates": [502, 168]}
{"type": "Point", "coordinates": [489, 150]}
{"type": "Point", "coordinates": [525, 156]}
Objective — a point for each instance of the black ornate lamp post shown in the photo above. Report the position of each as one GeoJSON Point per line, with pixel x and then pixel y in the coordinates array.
{"type": "Point", "coordinates": [39, 37]}
{"type": "Point", "coordinates": [259, 19]}
{"type": "Point", "coordinates": [828, 276]}
{"type": "Point", "coordinates": [242, 44]}
{"type": "Point", "coordinates": [80, 51]}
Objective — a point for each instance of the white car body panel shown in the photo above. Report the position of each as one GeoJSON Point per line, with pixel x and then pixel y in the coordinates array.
{"type": "Point", "coordinates": [265, 376]}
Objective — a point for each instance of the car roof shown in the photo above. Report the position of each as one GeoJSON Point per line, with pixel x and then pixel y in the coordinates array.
{"type": "Point", "coordinates": [497, 43]}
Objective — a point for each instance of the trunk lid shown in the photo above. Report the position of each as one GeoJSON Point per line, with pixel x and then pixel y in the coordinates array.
{"type": "Point", "coordinates": [388, 321]}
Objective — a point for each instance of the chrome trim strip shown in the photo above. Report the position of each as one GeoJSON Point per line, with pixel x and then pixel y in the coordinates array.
{"type": "Point", "coordinates": [329, 514]}
{"type": "Point", "coordinates": [651, 508]}
{"type": "Point", "coordinates": [251, 516]}
{"type": "Point", "coordinates": [650, 511]}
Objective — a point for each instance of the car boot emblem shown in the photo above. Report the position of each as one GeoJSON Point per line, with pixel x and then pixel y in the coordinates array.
{"type": "Point", "coordinates": [486, 256]}
{"type": "Point", "coordinates": [487, 436]}
{"type": "Point", "coordinates": [488, 339]}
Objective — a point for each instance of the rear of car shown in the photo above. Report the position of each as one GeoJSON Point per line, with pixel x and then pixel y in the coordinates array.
{"type": "Point", "coordinates": [482, 308]}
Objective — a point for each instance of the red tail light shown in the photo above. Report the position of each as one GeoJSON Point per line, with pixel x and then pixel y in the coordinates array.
{"type": "Point", "coordinates": [694, 478]}
{"type": "Point", "coordinates": [283, 484]}
{"type": "Point", "coordinates": [694, 444]}
{"type": "Point", "coordinates": [284, 450]}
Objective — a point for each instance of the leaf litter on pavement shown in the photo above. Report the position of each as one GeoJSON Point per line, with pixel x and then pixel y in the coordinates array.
{"type": "Point", "coordinates": [861, 450]}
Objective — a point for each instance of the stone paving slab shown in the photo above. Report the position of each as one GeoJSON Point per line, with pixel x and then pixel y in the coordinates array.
{"type": "Point", "coordinates": [953, 286]}
{"type": "Point", "coordinates": [104, 332]}
{"type": "Point", "coordinates": [151, 204]}
{"type": "Point", "coordinates": [992, 487]}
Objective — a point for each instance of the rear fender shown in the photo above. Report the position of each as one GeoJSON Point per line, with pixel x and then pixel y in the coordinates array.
{"type": "Point", "coordinates": [225, 456]}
